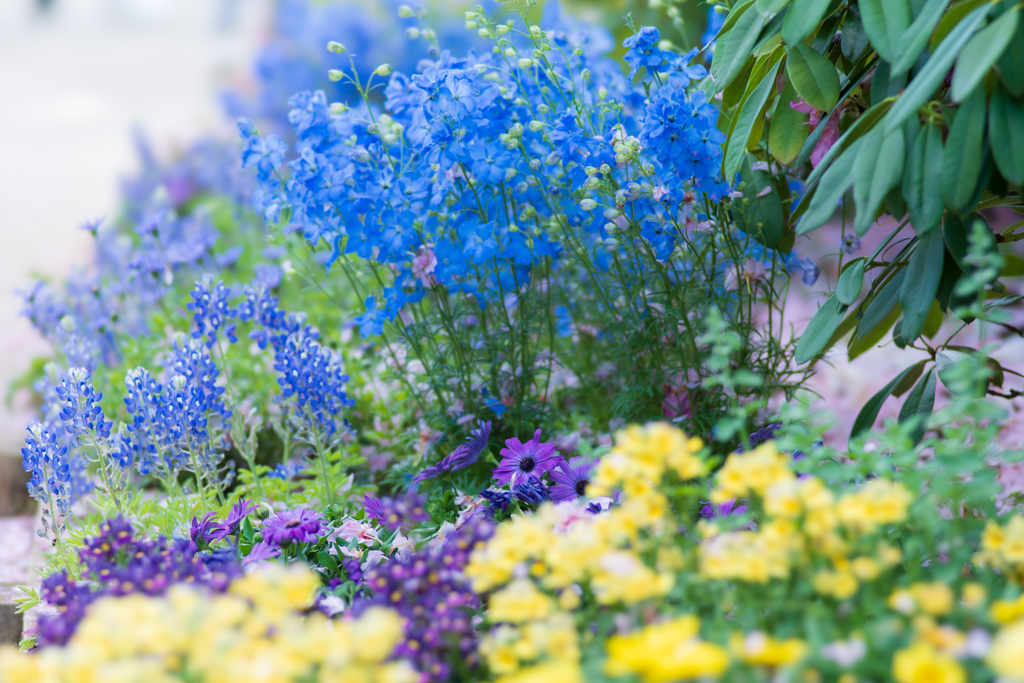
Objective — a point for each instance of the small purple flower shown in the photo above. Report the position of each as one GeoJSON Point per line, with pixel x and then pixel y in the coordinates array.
{"type": "Point", "coordinates": [531, 490]}
{"type": "Point", "coordinates": [293, 526]}
{"type": "Point", "coordinates": [530, 459]}
{"type": "Point", "coordinates": [261, 552]}
{"type": "Point", "coordinates": [207, 530]}
{"type": "Point", "coordinates": [722, 510]}
{"type": "Point", "coordinates": [396, 513]}
{"type": "Point", "coordinates": [497, 501]}
{"type": "Point", "coordinates": [849, 244]}
{"type": "Point", "coordinates": [375, 508]}
{"type": "Point", "coordinates": [759, 437]}
{"type": "Point", "coordinates": [463, 456]}
{"type": "Point", "coordinates": [571, 479]}
{"type": "Point", "coordinates": [238, 513]}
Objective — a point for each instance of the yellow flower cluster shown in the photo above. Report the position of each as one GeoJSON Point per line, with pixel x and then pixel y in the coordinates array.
{"type": "Point", "coordinates": [923, 662]}
{"type": "Point", "coordinates": [669, 651]}
{"type": "Point", "coordinates": [507, 649]}
{"type": "Point", "coordinates": [253, 634]}
{"type": "Point", "coordinates": [759, 648]}
{"type": "Point", "coordinates": [1002, 547]}
{"type": "Point", "coordinates": [752, 556]}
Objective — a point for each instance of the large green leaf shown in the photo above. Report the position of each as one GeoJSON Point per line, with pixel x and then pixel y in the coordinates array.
{"type": "Point", "coordinates": [921, 284]}
{"type": "Point", "coordinates": [851, 281]}
{"type": "Point", "coordinates": [878, 169]}
{"type": "Point", "coordinates": [921, 180]}
{"type": "Point", "coordinates": [762, 216]}
{"type": "Point", "coordinates": [1011, 65]}
{"type": "Point", "coordinates": [930, 77]}
{"type": "Point", "coordinates": [813, 76]}
{"type": "Point", "coordinates": [916, 36]}
{"type": "Point", "coordinates": [830, 189]}
{"type": "Point", "coordinates": [955, 235]}
{"type": "Point", "coordinates": [884, 85]}
{"type": "Point", "coordinates": [981, 52]}
{"type": "Point", "coordinates": [735, 46]}
{"type": "Point", "coordinates": [885, 22]}
{"type": "Point", "coordinates": [819, 330]}
{"type": "Point", "coordinates": [964, 153]}
{"type": "Point", "coordinates": [919, 406]}
{"type": "Point", "coordinates": [768, 7]}
{"type": "Point", "coordinates": [1006, 134]}
{"type": "Point", "coordinates": [869, 413]}
{"type": "Point", "coordinates": [883, 303]}
{"type": "Point", "coordinates": [853, 40]}
{"type": "Point", "coordinates": [951, 19]}
{"type": "Point", "coordinates": [750, 112]}
{"type": "Point", "coordinates": [788, 127]}
{"type": "Point", "coordinates": [864, 123]}
{"type": "Point", "coordinates": [801, 19]}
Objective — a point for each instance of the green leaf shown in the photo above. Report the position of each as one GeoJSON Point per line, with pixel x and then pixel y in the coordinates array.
{"type": "Point", "coordinates": [769, 7]}
{"type": "Point", "coordinates": [883, 86]}
{"type": "Point", "coordinates": [934, 71]}
{"type": "Point", "coordinates": [921, 284]}
{"type": "Point", "coordinates": [1013, 266]}
{"type": "Point", "coordinates": [1010, 66]}
{"type": "Point", "coordinates": [733, 94]}
{"type": "Point", "coordinates": [762, 218]}
{"type": "Point", "coordinates": [830, 189]}
{"type": "Point", "coordinates": [851, 281]}
{"type": "Point", "coordinates": [951, 19]}
{"type": "Point", "coordinates": [801, 19]}
{"type": "Point", "coordinates": [947, 362]}
{"type": "Point", "coordinates": [751, 110]}
{"type": "Point", "coordinates": [1006, 134]}
{"type": "Point", "coordinates": [919, 406]}
{"type": "Point", "coordinates": [819, 330]}
{"type": "Point", "coordinates": [916, 36]}
{"type": "Point", "coordinates": [813, 76]}
{"type": "Point", "coordinates": [963, 155]}
{"type": "Point", "coordinates": [908, 381]}
{"type": "Point", "coordinates": [981, 52]}
{"type": "Point", "coordinates": [788, 127]}
{"type": "Point", "coordinates": [869, 413]}
{"type": "Point", "coordinates": [922, 179]}
{"type": "Point", "coordinates": [878, 169]}
{"type": "Point", "coordinates": [326, 560]}
{"type": "Point", "coordinates": [955, 235]}
{"type": "Point", "coordinates": [735, 46]}
{"type": "Point", "coordinates": [885, 22]}
{"type": "Point", "coordinates": [853, 40]}
{"type": "Point", "coordinates": [861, 345]}
{"type": "Point", "coordinates": [882, 304]}
{"type": "Point", "coordinates": [860, 127]}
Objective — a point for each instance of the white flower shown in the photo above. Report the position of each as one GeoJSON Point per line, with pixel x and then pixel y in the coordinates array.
{"type": "Point", "coordinates": [845, 653]}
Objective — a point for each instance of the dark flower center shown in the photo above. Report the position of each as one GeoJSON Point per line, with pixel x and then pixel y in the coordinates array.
{"type": "Point", "coordinates": [527, 464]}
{"type": "Point", "coordinates": [581, 486]}
{"type": "Point", "coordinates": [291, 524]}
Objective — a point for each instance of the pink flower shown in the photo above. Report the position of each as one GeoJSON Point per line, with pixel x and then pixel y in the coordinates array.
{"type": "Point", "coordinates": [827, 139]}
{"type": "Point", "coordinates": [354, 529]}
{"type": "Point", "coordinates": [659, 192]}
{"type": "Point", "coordinates": [804, 108]}
{"type": "Point", "coordinates": [423, 266]}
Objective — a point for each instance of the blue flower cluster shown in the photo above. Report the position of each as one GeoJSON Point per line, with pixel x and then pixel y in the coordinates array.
{"type": "Point", "coordinates": [48, 463]}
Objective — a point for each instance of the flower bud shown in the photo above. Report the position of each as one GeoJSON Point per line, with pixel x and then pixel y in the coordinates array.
{"type": "Point", "coordinates": [588, 205]}
{"type": "Point", "coordinates": [383, 70]}
{"type": "Point", "coordinates": [412, 33]}
{"type": "Point", "coordinates": [602, 93]}
{"type": "Point", "coordinates": [484, 33]}
{"type": "Point", "coordinates": [502, 30]}
{"type": "Point", "coordinates": [335, 74]}
{"type": "Point", "coordinates": [470, 25]}
{"type": "Point", "coordinates": [405, 12]}
{"type": "Point", "coordinates": [470, 16]}
{"type": "Point", "coordinates": [585, 74]}
{"type": "Point", "coordinates": [536, 125]}
{"type": "Point", "coordinates": [263, 511]}
{"type": "Point", "coordinates": [336, 47]}
{"type": "Point", "coordinates": [525, 63]}
{"type": "Point", "coordinates": [338, 107]}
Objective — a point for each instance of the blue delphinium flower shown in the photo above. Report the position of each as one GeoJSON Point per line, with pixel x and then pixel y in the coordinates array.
{"type": "Point", "coordinates": [642, 51]}
{"type": "Point", "coordinates": [808, 269]}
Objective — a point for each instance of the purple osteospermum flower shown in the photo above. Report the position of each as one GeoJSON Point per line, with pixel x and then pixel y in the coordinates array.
{"type": "Point", "coordinates": [530, 459]}
{"type": "Point", "coordinates": [571, 479]}
{"type": "Point", "coordinates": [463, 456]}
{"type": "Point", "coordinates": [375, 508]}
{"type": "Point", "coordinates": [239, 512]}
{"type": "Point", "coordinates": [293, 526]}
{"type": "Point", "coordinates": [722, 510]}
{"type": "Point", "coordinates": [261, 552]}
{"type": "Point", "coordinates": [759, 437]}
{"type": "Point", "coordinates": [207, 530]}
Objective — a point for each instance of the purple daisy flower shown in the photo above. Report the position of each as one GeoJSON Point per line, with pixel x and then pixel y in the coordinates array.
{"type": "Point", "coordinates": [261, 552]}
{"type": "Point", "coordinates": [463, 456]}
{"type": "Point", "coordinates": [239, 512]}
{"type": "Point", "coordinates": [293, 526]}
{"type": "Point", "coordinates": [207, 530]}
{"type": "Point", "coordinates": [763, 434]}
{"type": "Point", "coordinates": [375, 508]}
{"type": "Point", "coordinates": [530, 459]}
{"type": "Point", "coordinates": [722, 510]}
{"type": "Point", "coordinates": [571, 479]}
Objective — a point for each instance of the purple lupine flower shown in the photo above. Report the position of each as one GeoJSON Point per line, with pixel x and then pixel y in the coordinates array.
{"type": "Point", "coordinates": [261, 552]}
{"type": "Point", "coordinates": [238, 513]}
{"type": "Point", "coordinates": [206, 530]}
{"type": "Point", "coordinates": [293, 526]}
{"type": "Point", "coordinates": [530, 459]}
{"type": "Point", "coordinates": [571, 479]}
{"type": "Point", "coordinates": [463, 456]}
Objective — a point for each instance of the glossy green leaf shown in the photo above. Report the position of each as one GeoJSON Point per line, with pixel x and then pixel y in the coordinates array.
{"type": "Point", "coordinates": [963, 155]}
{"type": "Point", "coordinates": [735, 46]}
{"type": "Point", "coordinates": [860, 345]}
{"type": "Point", "coordinates": [946, 361]}
{"type": "Point", "coordinates": [1006, 133]}
{"type": "Point", "coordinates": [802, 18]}
{"type": "Point", "coordinates": [830, 189]}
{"type": "Point", "coordinates": [1010, 66]}
{"type": "Point", "coordinates": [813, 76]}
{"type": "Point", "coordinates": [851, 281]}
{"type": "Point", "coordinates": [882, 304]}
{"type": "Point", "coordinates": [981, 52]}
{"type": "Point", "coordinates": [751, 110]}
{"type": "Point", "coordinates": [768, 7]}
{"type": "Point", "coordinates": [955, 235]}
{"type": "Point", "coordinates": [864, 123]}
{"type": "Point", "coordinates": [882, 86]}
{"type": "Point", "coordinates": [885, 22]}
{"type": "Point", "coordinates": [922, 178]}
{"type": "Point", "coordinates": [819, 330]}
{"type": "Point", "coordinates": [878, 169]}
{"type": "Point", "coordinates": [1013, 266]}
{"type": "Point", "coordinates": [908, 381]}
{"type": "Point", "coordinates": [919, 405]}
{"type": "Point", "coordinates": [916, 36]}
{"type": "Point", "coordinates": [788, 127]}
{"type": "Point", "coordinates": [853, 40]}
{"type": "Point", "coordinates": [951, 19]}
{"type": "Point", "coordinates": [762, 216]}
{"type": "Point", "coordinates": [921, 284]}
{"type": "Point", "coordinates": [869, 413]}
{"type": "Point", "coordinates": [930, 77]}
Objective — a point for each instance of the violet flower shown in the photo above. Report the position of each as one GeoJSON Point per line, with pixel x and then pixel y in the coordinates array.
{"type": "Point", "coordinates": [261, 552]}
{"type": "Point", "coordinates": [206, 531]}
{"type": "Point", "coordinates": [571, 479]}
{"type": "Point", "coordinates": [293, 526]}
{"type": "Point", "coordinates": [530, 459]}
{"type": "Point", "coordinates": [463, 456]}
{"type": "Point", "coordinates": [238, 513]}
